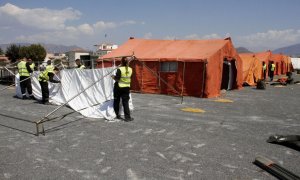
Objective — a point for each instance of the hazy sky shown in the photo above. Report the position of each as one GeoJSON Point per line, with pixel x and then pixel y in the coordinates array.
{"type": "Point", "coordinates": [255, 24]}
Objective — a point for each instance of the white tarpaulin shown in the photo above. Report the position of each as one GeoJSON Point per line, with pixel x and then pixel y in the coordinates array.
{"type": "Point", "coordinates": [95, 102]}
{"type": "Point", "coordinates": [296, 63]}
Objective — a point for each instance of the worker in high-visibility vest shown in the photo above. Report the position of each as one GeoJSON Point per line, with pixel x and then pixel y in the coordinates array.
{"type": "Point", "coordinates": [272, 70]}
{"type": "Point", "coordinates": [25, 81]}
{"type": "Point", "coordinates": [264, 70]}
{"type": "Point", "coordinates": [122, 89]}
{"type": "Point", "coordinates": [79, 65]}
{"type": "Point", "coordinates": [32, 65]}
{"type": "Point", "coordinates": [44, 77]}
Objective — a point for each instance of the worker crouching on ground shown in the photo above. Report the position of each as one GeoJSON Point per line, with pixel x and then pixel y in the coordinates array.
{"type": "Point", "coordinates": [79, 65]}
{"type": "Point", "coordinates": [25, 81]}
{"type": "Point", "coordinates": [44, 77]}
{"type": "Point", "coordinates": [122, 89]}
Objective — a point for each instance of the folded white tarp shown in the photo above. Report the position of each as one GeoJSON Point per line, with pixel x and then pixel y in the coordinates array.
{"type": "Point", "coordinates": [296, 63]}
{"type": "Point", "coordinates": [95, 102]}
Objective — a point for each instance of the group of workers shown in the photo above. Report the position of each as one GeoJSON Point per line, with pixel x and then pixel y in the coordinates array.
{"type": "Point", "coordinates": [271, 68]}
{"type": "Point", "coordinates": [121, 86]}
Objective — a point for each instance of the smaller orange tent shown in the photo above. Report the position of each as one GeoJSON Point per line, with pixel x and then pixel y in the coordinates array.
{"type": "Point", "coordinates": [252, 68]}
{"type": "Point", "coordinates": [279, 62]}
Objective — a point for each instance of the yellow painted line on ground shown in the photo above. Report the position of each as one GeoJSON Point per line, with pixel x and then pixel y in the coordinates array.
{"type": "Point", "coordinates": [194, 110]}
{"type": "Point", "coordinates": [223, 100]}
{"type": "Point", "coordinates": [279, 86]}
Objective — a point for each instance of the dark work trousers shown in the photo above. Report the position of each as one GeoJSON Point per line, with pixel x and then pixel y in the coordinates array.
{"type": "Point", "coordinates": [121, 93]}
{"type": "Point", "coordinates": [265, 73]}
{"type": "Point", "coordinates": [25, 85]}
{"type": "Point", "coordinates": [271, 75]}
{"type": "Point", "coordinates": [45, 91]}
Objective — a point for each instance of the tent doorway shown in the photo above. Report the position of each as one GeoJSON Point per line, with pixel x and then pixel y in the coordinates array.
{"type": "Point", "coordinates": [228, 75]}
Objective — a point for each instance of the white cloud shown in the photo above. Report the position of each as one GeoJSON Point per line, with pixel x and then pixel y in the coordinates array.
{"type": "Point", "coordinates": [170, 37]}
{"type": "Point", "coordinates": [192, 36]}
{"type": "Point", "coordinates": [148, 35]}
{"type": "Point", "coordinates": [86, 29]}
{"type": "Point", "coordinates": [50, 26]}
{"type": "Point", "coordinates": [208, 36]}
{"type": "Point", "coordinates": [128, 22]}
{"type": "Point", "coordinates": [101, 25]}
{"type": "Point", "coordinates": [271, 39]}
{"type": "Point", "coordinates": [40, 18]}
{"type": "Point", "coordinates": [212, 36]}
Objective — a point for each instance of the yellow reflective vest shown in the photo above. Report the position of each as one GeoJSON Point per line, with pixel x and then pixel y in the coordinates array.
{"type": "Point", "coordinates": [125, 79]}
{"type": "Point", "coordinates": [23, 69]}
{"type": "Point", "coordinates": [44, 75]}
{"type": "Point", "coordinates": [264, 67]}
{"type": "Point", "coordinates": [82, 67]}
{"type": "Point", "coordinates": [32, 65]}
{"type": "Point", "coordinates": [273, 67]}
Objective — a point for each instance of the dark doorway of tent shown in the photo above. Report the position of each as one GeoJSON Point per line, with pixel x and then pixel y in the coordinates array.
{"type": "Point", "coordinates": [228, 75]}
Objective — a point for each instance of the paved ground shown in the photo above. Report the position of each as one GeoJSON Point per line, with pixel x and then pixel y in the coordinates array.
{"type": "Point", "coordinates": [163, 142]}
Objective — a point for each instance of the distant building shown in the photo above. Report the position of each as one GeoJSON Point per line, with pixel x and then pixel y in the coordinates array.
{"type": "Point", "coordinates": [3, 59]}
{"type": "Point", "coordinates": [51, 56]}
{"type": "Point", "coordinates": [104, 48]}
{"type": "Point", "coordinates": [76, 54]}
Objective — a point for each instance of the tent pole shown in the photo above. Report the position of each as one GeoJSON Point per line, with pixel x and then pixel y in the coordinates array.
{"type": "Point", "coordinates": [183, 76]}
{"type": "Point", "coordinates": [203, 78]}
{"type": "Point", "coordinates": [142, 80]}
{"type": "Point", "coordinates": [56, 109]}
{"type": "Point", "coordinates": [12, 63]}
{"type": "Point", "coordinates": [9, 71]}
{"type": "Point", "coordinates": [13, 84]}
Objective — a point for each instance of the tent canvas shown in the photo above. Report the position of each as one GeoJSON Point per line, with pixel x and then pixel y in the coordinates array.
{"type": "Point", "coordinates": [95, 102]}
{"type": "Point", "coordinates": [189, 67]}
{"type": "Point", "coordinates": [296, 63]}
{"type": "Point", "coordinates": [252, 68]}
{"type": "Point", "coordinates": [278, 60]}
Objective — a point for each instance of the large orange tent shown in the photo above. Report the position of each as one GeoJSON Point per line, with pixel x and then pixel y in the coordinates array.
{"type": "Point", "coordinates": [252, 68]}
{"type": "Point", "coordinates": [198, 68]}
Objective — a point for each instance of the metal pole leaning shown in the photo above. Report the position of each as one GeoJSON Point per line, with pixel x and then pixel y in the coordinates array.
{"type": "Point", "coordinates": [9, 71]}
{"type": "Point", "coordinates": [13, 84]}
{"type": "Point", "coordinates": [45, 118]}
{"type": "Point", "coordinates": [12, 63]}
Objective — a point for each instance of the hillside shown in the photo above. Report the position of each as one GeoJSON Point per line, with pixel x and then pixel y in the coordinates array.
{"type": "Point", "coordinates": [50, 48]}
{"type": "Point", "coordinates": [293, 50]}
{"type": "Point", "coordinates": [242, 50]}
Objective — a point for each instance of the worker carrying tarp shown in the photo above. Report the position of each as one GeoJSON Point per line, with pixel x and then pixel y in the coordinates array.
{"type": "Point", "coordinates": [95, 102]}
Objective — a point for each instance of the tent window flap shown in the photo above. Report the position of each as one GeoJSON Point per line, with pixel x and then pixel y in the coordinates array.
{"type": "Point", "coordinates": [168, 66]}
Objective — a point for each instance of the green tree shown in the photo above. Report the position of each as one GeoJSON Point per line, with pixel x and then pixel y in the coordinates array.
{"type": "Point", "coordinates": [36, 52]}
{"type": "Point", "coordinates": [1, 51]}
{"type": "Point", "coordinates": [13, 52]}
{"type": "Point", "coordinates": [24, 51]}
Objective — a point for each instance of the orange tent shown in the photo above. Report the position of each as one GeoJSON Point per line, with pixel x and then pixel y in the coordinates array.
{"type": "Point", "coordinates": [264, 57]}
{"type": "Point", "coordinates": [252, 68]}
{"type": "Point", "coordinates": [288, 63]}
{"type": "Point", "coordinates": [198, 68]}
{"type": "Point", "coordinates": [279, 62]}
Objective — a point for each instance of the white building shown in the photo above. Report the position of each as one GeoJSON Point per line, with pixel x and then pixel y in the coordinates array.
{"type": "Point", "coordinates": [51, 56]}
{"type": "Point", "coordinates": [75, 54]}
{"type": "Point", "coordinates": [104, 48]}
